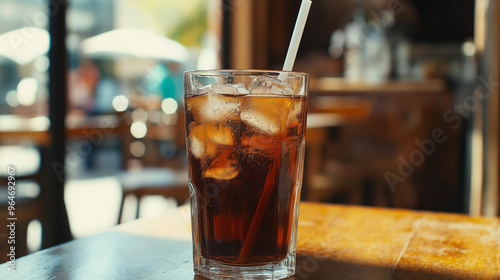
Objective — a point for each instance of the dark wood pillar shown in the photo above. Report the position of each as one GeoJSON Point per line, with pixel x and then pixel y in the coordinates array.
{"type": "Point", "coordinates": [56, 228]}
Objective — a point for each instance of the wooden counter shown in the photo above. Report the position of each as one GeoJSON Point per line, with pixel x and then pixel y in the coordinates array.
{"type": "Point", "coordinates": [334, 242]}
{"type": "Point", "coordinates": [342, 86]}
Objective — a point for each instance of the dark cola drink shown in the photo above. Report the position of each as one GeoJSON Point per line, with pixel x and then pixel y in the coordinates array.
{"type": "Point", "coordinates": [246, 154]}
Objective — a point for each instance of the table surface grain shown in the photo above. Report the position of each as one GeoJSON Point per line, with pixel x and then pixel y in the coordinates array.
{"type": "Point", "coordinates": [334, 242]}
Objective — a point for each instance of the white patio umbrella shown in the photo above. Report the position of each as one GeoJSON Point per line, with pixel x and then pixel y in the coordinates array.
{"type": "Point", "coordinates": [135, 43]}
{"type": "Point", "coordinates": [25, 44]}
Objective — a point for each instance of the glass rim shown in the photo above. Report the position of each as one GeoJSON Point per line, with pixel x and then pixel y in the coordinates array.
{"type": "Point", "coordinates": [218, 72]}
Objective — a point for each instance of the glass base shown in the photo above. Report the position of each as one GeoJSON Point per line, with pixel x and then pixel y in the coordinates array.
{"type": "Point", "coordinates": [216, 270]}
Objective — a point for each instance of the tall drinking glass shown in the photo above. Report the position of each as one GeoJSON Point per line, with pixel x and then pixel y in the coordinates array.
{"type": "Point", "coordinates": [246, 139]}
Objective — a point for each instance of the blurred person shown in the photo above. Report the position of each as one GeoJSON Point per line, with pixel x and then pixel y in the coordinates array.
{"type": "Point", "coordinates": [107, 88]}
{"type": "Point", "coordinates": [9, 78]}
{"type": "Point", "coordinates": [165, 81]}
{"type": "Point", "coordinates": [177, 78]}
{"type": "Point", "coordinates": [82, 85]}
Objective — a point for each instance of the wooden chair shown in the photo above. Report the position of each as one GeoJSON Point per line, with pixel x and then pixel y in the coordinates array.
{"type": "Point", "coordinates": [153, 174]}
{"type": "Point", "coordinates": [331, 114]}
{"type": "Point", "coordinates": [154, 181]}
{"type": "Point", "coordinates": [29, 204]}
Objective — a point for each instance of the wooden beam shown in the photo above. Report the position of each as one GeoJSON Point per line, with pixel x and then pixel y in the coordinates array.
{"type": "Point", "coordinates": [492, 180]}
{"type": "Point", "coordinates": [242, 35]}
{"type": "Point", "coordinates": [487, 40]}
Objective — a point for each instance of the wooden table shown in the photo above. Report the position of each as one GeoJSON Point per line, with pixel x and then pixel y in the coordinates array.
{"type": "Point", "coordinates": [334, 242]}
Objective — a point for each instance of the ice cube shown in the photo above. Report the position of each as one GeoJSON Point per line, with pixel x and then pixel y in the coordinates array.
{"type": "Point", "coordinates": [214, 107]}
{"type": "Point", "coordinates": [207, 139]}
{"type": "Point", "coordinates": [218, 88]}
{"type": "Point", "coordinates": [200, 145]}
{"type": "Point", "coordinates": [256, 141]}
{"type": "Point", "coordinates": [263, 144]}
{"type": "Point", "coordinates": [270, 85]}
{"type": "Point", "coordinates": [197, 147]}
{"type": "Point", "coordinates": [240, 87]}
{"type": "Point", "coordinates": [223, 167]}
{"type": "Point", "coordinates": [294, 114]}
{"type": "Point", "coordinates": [219, 134]}
{"type": "Point", "coordinates": [265, 114]}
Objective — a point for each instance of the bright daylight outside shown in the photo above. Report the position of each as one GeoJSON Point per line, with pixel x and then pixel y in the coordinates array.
{"type": "Point", "coordinates": [125, 65]}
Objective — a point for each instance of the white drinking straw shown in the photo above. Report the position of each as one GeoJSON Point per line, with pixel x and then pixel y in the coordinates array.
{"type": "Point", "coordinates": [264, 199]}
{"type": "Point", "coordinates": [296, 36]}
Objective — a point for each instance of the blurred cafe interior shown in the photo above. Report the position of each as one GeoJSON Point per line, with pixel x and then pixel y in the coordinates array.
{"type": "Point", "coordinates": [403, 106]}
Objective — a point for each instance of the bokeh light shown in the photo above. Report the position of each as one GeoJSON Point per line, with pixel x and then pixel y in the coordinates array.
{"type": "Point", "coordinates": [170, 119]}
{"type": "Point", "coordinates": [34, 239]}
{"type": "Point", "coordinates": [26, 91]}
{"type": "Point", "coordinates": [120, 103]}
{"type": "Point", "coordinates": [468, 48]}
{"type": "Point", "coordinates": [138, 129]}
{"type": "Point", "coordinates": [40, 123]}
{"type": "Point", "coordinates": [137, 149]}
{"type": "Point", "coordinates": [11, 98]}
{"type": "Point", "coordinates": [140, 114]}
{"type": "Point", "coordinates": [169, 105]}
{"type": "Point", "coordinates": [42, 63]}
